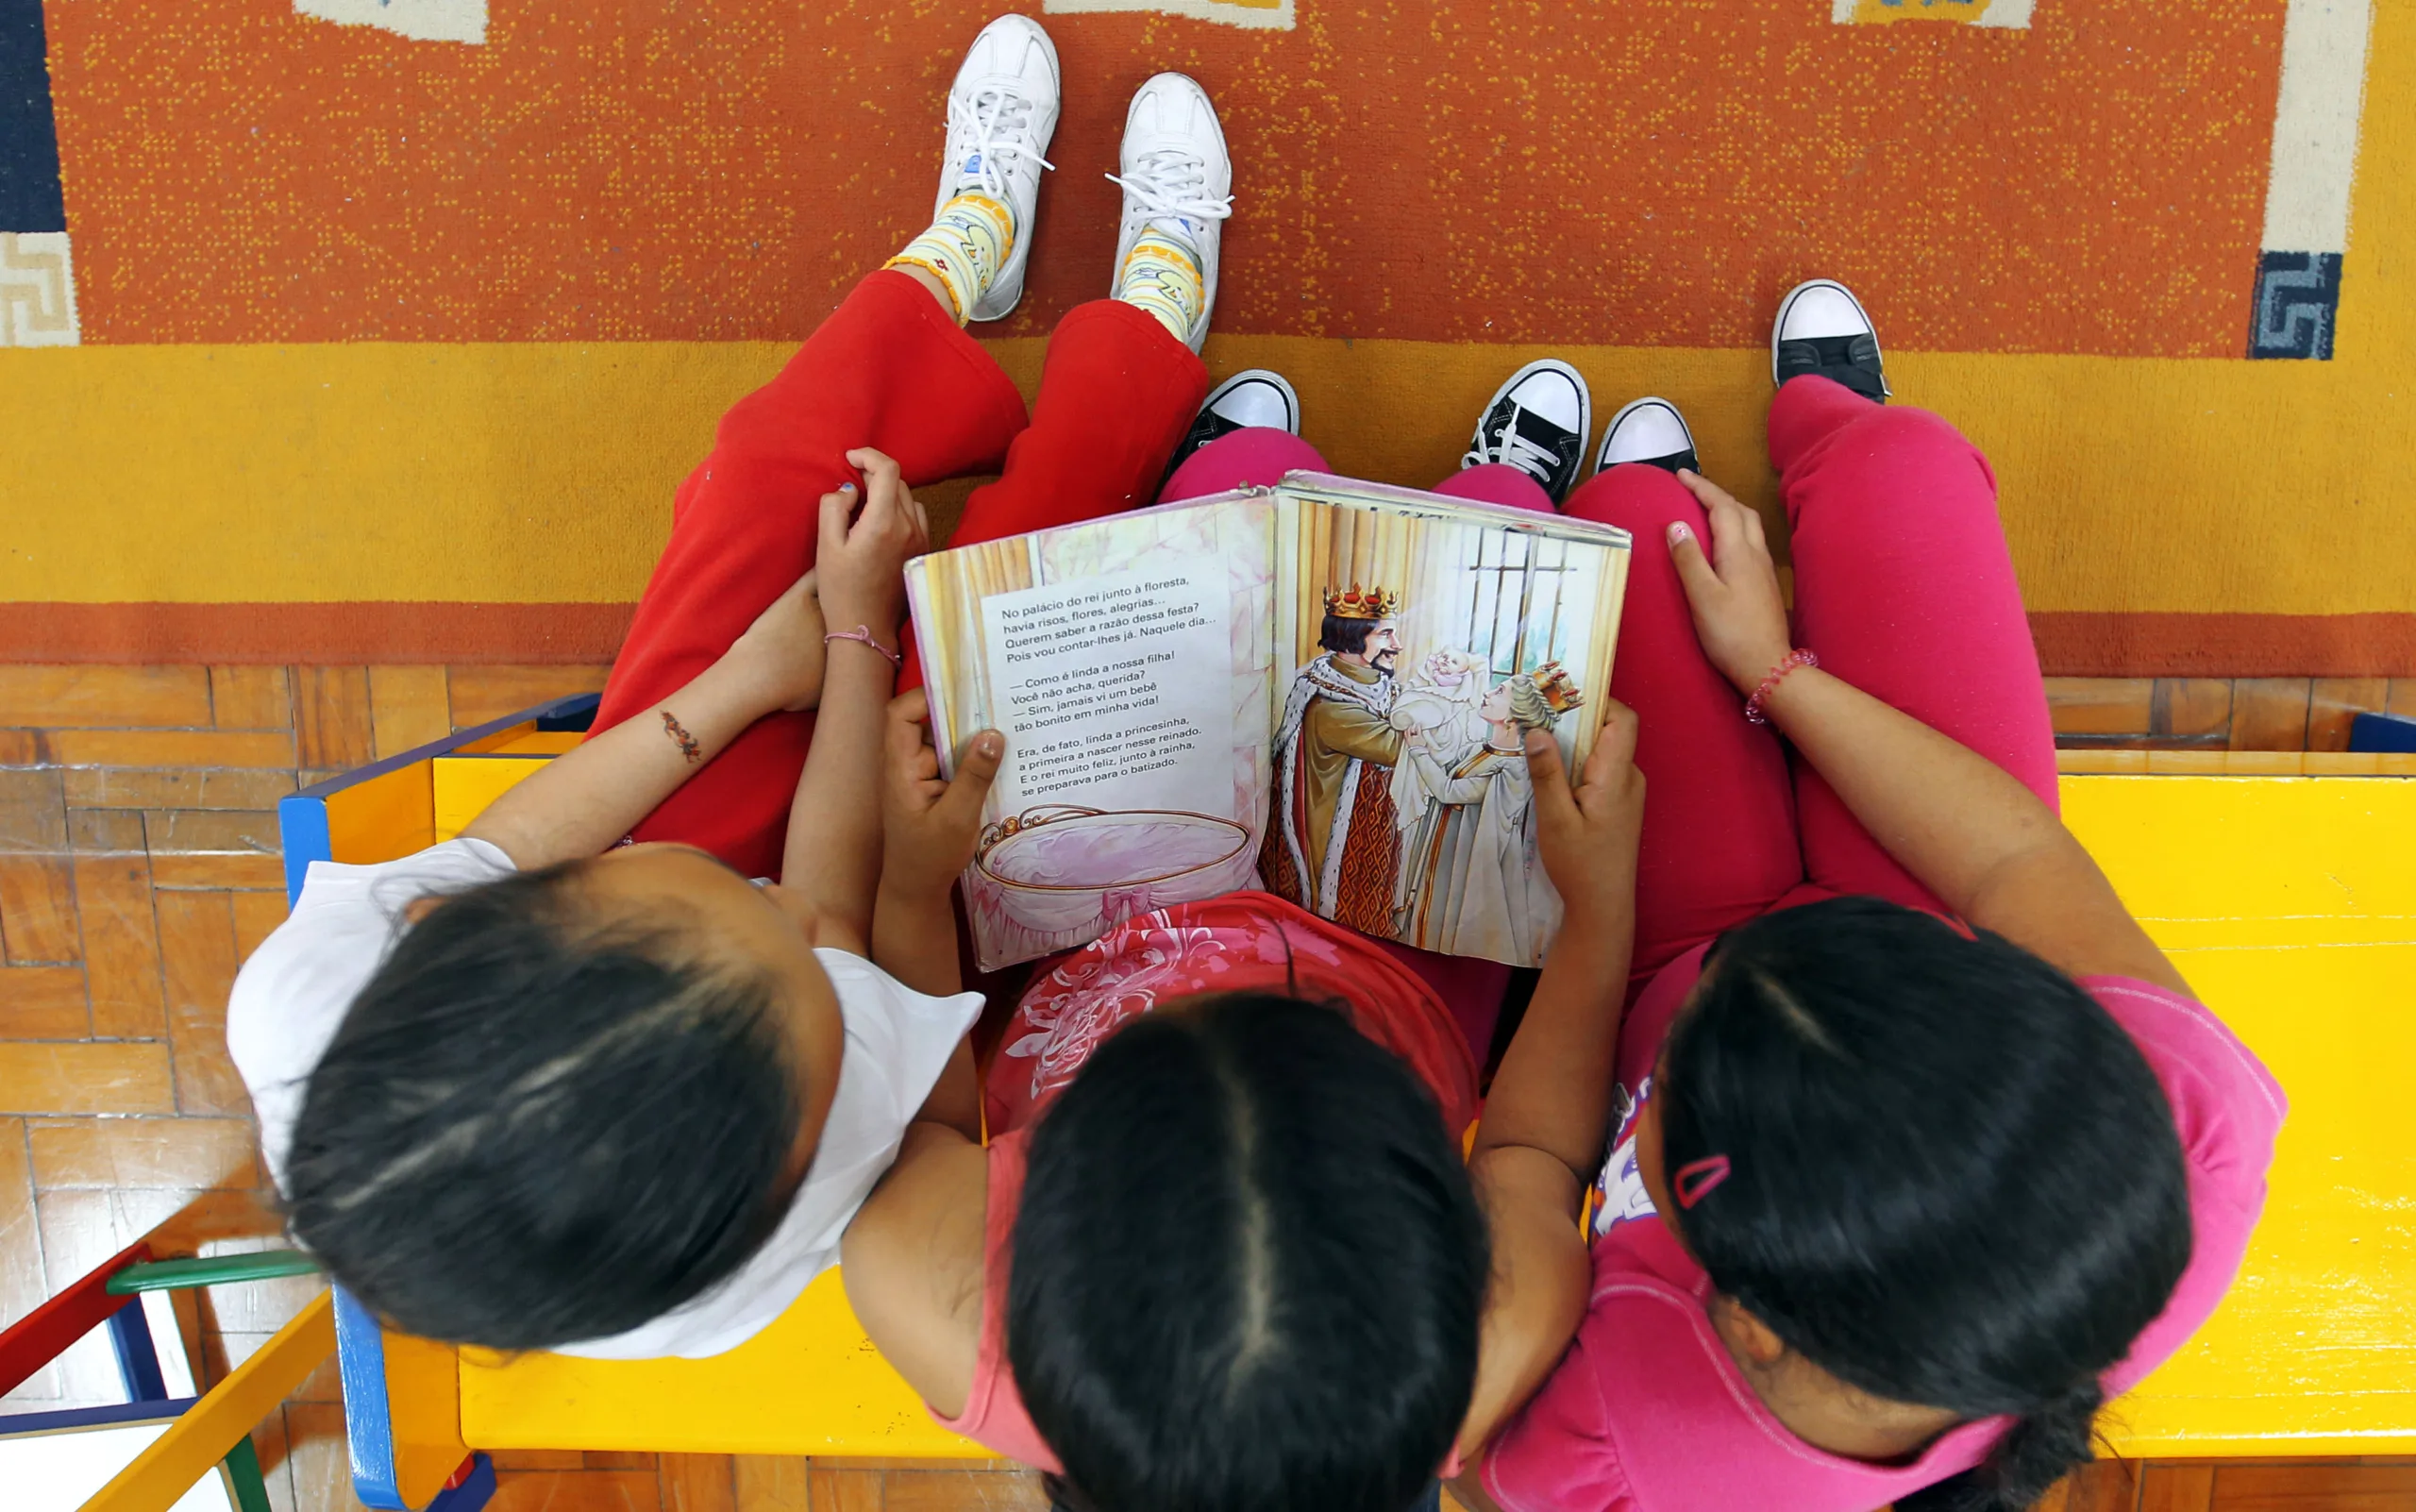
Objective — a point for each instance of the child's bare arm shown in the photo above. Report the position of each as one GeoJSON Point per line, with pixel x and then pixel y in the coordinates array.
{"type": "Point", "coordinates": [929, 828]}
{"type": "Point", "coordinates": [1547, 1117]}
{"type": "Point", "coordinates": [912, 1260]}
{"type": "Point", "coordinates": [833, 852]}
{"type": "Point", "coordinates": [583, 801]}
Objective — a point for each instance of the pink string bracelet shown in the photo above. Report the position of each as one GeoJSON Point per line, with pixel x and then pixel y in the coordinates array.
{"type": "Point", "coordinates": [1799, 657]}
{"type": "Point", "coordinates": [862, 635]}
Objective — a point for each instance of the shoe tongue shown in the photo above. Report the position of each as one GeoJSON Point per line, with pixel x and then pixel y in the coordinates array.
{"type": "Point", "coordinates": [1174, 231]}
{"type": "Point", "coordinates": [1546, 448]}
{"type": "Point", "coordinates": [1852, 361]}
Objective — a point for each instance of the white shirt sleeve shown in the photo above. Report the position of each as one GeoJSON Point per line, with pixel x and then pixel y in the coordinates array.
{"type": "Point", "coordinates": [899, 1041]}
{"type": "Point", "coordinates": [292, 994]}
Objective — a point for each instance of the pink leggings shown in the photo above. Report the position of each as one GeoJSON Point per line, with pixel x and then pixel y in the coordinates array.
{"type": "Point", "coordinates": [1902, 587]}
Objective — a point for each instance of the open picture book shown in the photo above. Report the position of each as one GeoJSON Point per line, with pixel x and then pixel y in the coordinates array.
{"type": "Point", "coordinates": [1321, 689]}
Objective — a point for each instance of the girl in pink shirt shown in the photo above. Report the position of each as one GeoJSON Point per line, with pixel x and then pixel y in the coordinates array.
{"type": "Point", "coordinates": [1919, 1149]}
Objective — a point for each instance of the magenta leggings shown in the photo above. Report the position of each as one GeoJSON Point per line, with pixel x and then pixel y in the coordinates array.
{"type": "Point", "coordinates": [1902, 587]}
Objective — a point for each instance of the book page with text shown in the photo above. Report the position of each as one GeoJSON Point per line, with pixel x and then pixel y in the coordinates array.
{"type": "Point", "coordinates": [1129, 661]}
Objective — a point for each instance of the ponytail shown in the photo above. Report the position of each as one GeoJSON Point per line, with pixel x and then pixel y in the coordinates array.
{"type": "Point", "coordinates": [2041, 1448]}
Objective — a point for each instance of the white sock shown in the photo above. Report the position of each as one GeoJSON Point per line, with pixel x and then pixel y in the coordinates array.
{"type": "Point", "coordinates": [964, 248]}
{"type": "Point", "coordinates": [1162, 275]}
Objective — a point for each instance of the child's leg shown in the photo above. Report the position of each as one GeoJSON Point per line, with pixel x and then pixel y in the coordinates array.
{"type": "Point", "coordinates": [890, 370]}
{"type": "Point", "coordinates": [1904, 589]}
{"type": "Point", "coordinates": [1255, 456]}
{"type": "Point", "coordinates": [1497, 483]}
{"type": "Point", "coordinates": [1719, 843]}
{"type": "Point", "coordinates": [1116, 393]}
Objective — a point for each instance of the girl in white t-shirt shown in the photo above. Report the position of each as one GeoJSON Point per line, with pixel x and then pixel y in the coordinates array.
{"type": "Point", "coordinates": [536, 1087]}
{"type": "Point", "coordinates": [532, 1088]}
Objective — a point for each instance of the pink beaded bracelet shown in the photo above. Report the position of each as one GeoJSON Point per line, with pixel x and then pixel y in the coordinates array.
{"type": "Point", "coordinates": [862, 635]}
{"type": "Point", "coordinates": [1799, 657]}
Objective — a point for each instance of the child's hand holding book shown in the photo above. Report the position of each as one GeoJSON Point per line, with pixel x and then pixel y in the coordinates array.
{"type": "Point", "coordinates": [930, 824]}
{"type": "Point", "coordinates": [1588, 833]}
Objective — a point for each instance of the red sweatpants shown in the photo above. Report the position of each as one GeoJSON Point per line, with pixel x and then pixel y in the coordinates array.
{"type": "Point", "coordinates": [891, 371]}
{"type": "Point", "coordinates": [1902, 587]}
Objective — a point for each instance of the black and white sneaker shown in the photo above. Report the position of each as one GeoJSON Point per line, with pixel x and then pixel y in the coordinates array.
{"type": "Point", "coordinates": [1822, 329]}
{"type": "Point", "coordinates": [1652, 431]}
{"type": "Point", "coordinates": [1250, 398]}
{"type": "Point", "coordinates": [1537, 423]}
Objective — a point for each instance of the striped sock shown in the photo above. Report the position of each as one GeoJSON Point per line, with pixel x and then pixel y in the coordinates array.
{"type": "Point", "coordinates": [1162, 275]}
{"type": "Point", "coordinates": [964, 248]}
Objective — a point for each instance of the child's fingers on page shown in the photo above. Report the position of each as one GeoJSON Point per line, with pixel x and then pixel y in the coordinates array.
{"type": "Point", "coordinates": [905, 737]}
{"type": "Point", "coordinates": [1548, 774]}
{"type": "Point", "coordinates": [961, 805]}
{"type": "Point", "coordinates": [1615, 744]}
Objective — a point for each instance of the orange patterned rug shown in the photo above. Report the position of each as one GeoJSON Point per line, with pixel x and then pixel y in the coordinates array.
{"type": "Point", "coordinates": [2083, 227]}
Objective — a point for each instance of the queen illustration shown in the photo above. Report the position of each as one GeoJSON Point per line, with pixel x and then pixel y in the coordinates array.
{"type": "Point", "coordinates": [1470, 883]}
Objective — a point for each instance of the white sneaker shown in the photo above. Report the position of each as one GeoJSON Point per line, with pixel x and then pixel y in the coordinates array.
{"type": "Point", "coordinates": [1648, 431]}
{"type": "Point", "coordinates": [1178, 180]}
{"type": "Point", "coordinates": [1001, 112]}
{"type": "Point", "coordinates": [1252, 398]}
{"type": "Point", "coordinates": [1822, 330]}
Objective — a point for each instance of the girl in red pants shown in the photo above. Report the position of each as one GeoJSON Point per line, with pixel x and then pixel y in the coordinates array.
{"type": "Point", "coordinates": [539, 1086]}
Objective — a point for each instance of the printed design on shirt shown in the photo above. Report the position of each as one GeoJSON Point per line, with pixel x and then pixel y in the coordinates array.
{"type": "Point", "coordinates": [1620, 1193]}
{"type": "Point", "coordinates": [1120, 976]}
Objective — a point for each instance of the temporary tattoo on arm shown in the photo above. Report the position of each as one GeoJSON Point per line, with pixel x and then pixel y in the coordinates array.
{"type": "Point", "coordinates": [687, 743]}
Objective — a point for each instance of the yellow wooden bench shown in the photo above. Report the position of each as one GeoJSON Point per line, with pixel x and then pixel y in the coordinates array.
{"type": "Point", "coordinates": [2289, 902]}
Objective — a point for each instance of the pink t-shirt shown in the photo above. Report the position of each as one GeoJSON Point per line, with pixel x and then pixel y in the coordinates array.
{"type": "Point", "coordinates": [1647, 1412]}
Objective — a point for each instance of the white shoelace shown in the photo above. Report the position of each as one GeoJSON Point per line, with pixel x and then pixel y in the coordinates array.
{"type": "Point", "coordinates": [1172, 184]}
{"type": "Point", "coordinates": [995, 124]}
{"type": "Point", "coordinates": [1516, 451]}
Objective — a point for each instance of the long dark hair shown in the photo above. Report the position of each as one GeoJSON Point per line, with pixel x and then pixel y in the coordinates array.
{"type": "Point", "coordinates": [1248, 1269]}
{"type": "Point", "coordinates": [538, 1125]}
{"type": "Point", "coordinates": [1954, 1179]}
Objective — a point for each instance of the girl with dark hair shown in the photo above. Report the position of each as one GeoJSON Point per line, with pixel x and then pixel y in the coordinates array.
{"type": "Point", "coordinates": [1920, 1150]}
{"type": "Point", "coordinates": [538, 1086]}
{"type": "Point", "coordinates": [1222, 1251]}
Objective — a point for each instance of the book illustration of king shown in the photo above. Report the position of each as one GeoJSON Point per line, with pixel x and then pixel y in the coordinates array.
{"type": "Point", "coordinates": [1332, 845]}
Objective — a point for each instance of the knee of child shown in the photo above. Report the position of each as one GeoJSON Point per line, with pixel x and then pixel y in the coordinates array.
{"type": "Point", "coordinates": [1248, 1268]}
{"type": "Point", "coordinates": [536, 1126]}
{"type": "Point", "coordinates": [1899, 435]}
